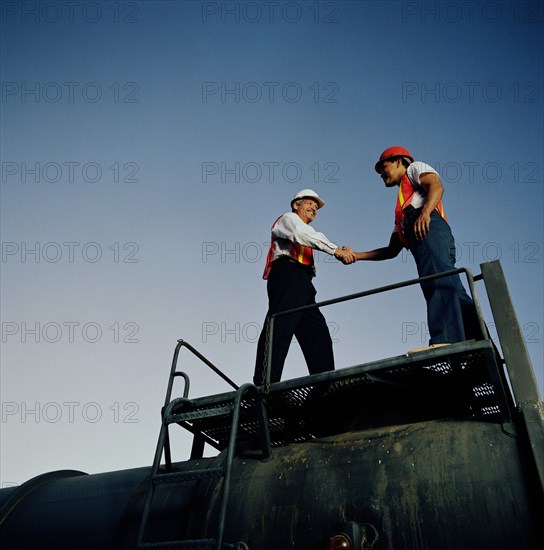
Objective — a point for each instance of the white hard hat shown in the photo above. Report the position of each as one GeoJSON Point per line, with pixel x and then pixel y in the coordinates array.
{"type": "Point", "coordinates": [308, 194]}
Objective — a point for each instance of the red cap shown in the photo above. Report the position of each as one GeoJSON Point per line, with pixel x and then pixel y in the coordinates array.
{"type": "Point", "coordinates": [392, 152]}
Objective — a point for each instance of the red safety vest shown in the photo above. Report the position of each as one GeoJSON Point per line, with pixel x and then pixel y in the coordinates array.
{"type": "Point", "coordinates": [300, 253]}
{"type": "Point", "coordinates": [404, 199]}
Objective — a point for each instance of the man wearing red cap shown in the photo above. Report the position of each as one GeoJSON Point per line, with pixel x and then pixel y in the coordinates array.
{"type": "Point", "coordinates": [421, 226]}
{"type": "Point", "coordinates": [289, 271]}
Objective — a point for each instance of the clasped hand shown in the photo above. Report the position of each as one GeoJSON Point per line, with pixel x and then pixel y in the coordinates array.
{"type": "Point", "coordinates": [346, 255]}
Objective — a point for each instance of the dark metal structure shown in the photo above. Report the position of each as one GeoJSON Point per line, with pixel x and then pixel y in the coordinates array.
{"type": "Point", "coordinates": [441, 449]}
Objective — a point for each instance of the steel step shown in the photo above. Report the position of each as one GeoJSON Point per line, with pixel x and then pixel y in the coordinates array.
{"type": "Point", "coordinates": [196, 414]}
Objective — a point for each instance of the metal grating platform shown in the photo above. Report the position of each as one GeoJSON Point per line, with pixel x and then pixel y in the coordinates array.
{"type": "Point", "coordinates": [461, 380]}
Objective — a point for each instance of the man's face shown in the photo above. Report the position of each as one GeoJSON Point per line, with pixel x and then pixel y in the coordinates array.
{"type": "Point", "coordinates": [306, 210]}
{"type": "Point", "coordinates": [392, 172]}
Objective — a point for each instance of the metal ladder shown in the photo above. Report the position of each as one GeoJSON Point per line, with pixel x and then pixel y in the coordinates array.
{"type": "Point", "coordinates": [171, 414]}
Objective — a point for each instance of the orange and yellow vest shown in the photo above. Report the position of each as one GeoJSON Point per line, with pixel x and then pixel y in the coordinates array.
{"type": "Point", "coordinates": [404, 199]}
{"type": "Point", "coordinates": [302, 254]}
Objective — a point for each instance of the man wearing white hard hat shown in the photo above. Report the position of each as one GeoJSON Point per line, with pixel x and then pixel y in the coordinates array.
{"type": "Point", "coordinates": [289, 271]}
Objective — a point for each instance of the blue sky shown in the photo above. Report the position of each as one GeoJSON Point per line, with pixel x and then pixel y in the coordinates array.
{"type": "Point", "coordinates": [147, 147]}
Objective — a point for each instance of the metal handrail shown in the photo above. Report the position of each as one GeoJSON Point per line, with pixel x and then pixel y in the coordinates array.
{"type": "Point", "coordinates": [347, 297]}
{"type": "Point", "coordinates": [205, 361]}
{"type": "Point", "coordinates": [229, 459]}
{"type": "Point", "coordinates": [163, 444]}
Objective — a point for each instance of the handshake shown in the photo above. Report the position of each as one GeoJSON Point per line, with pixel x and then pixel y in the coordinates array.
{"type": "Point", "coordinates": [345, 254]}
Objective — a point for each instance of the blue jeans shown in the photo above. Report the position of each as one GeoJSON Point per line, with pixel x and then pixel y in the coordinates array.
{"type": "Point", "coordinates": [451, 315]}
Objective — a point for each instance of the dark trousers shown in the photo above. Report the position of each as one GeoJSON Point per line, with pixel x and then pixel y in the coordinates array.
{"type": "Point", "coordinates": [451, 314]}
{"type": "Point", "coordinates": [289, 286]}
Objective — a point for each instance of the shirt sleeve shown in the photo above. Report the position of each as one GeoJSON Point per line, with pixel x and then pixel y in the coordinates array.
{"type": "Point", "coordinates": [292, 228]}
{"type": "Point", "coordinates": [414, 172]}
{"type": "Point", "coordinates": [416, 169]}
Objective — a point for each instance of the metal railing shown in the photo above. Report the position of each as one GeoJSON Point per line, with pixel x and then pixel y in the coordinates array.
{"type": "Point", "coordinates": [271, 319]}
{"type": "Point", "coordinates": [183, 343]}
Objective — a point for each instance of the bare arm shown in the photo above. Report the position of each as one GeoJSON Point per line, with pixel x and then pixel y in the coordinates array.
{"type": "Point", "coordinates": [392, 250]}
{"type": "Point", "coordinates": [434, 189]}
